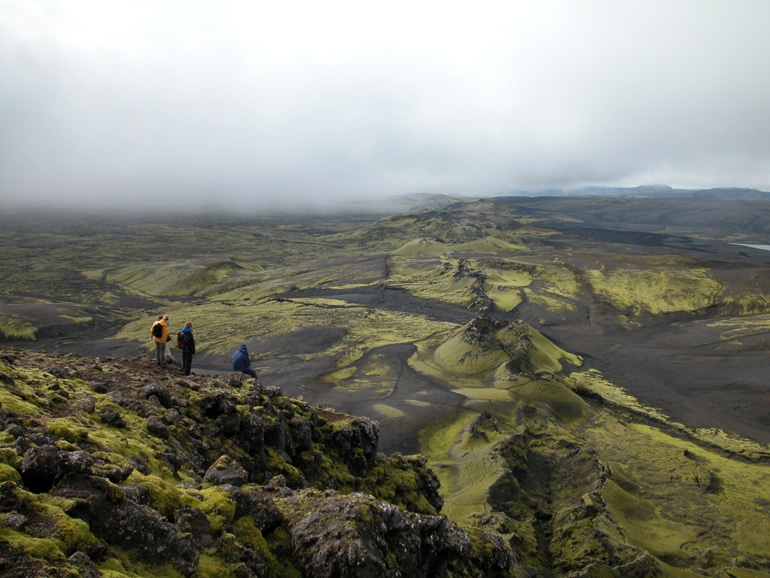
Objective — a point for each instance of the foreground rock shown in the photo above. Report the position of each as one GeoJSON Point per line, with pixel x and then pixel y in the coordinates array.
{"type": "Point", "coordinates": [112, 466]}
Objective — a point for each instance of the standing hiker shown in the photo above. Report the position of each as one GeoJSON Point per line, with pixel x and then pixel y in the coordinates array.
{"type": "Point", "coordinates": [159, 332]}
{"type": "Point", "coordinates": [186, 342]}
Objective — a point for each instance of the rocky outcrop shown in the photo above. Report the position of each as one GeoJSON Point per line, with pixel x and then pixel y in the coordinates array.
{"type": "Point", "coordinates": [208, 479]}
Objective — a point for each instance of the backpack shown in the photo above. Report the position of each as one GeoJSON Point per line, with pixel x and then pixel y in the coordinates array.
{"type": "Point", "coordinates": [157, 330]}
{"type": "Point", "coordinates": [181, 340]}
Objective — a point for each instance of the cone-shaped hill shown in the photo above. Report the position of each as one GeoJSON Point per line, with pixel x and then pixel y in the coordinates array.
{"type": "Point", "coordinates": [486, 349]}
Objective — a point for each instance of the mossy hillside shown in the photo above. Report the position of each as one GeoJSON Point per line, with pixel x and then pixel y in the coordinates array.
{"type": "Point", "coordinates": [592, 384]}
{"type": "Point", "coordinates": [131, 444]}
{"type": "Point", "coordinates": [422, 246]}
{"type": "Point", "coordinates": [484, 351]}
{"type": "Point", "coordinates": [486, 245]}
{"type": "Point", "coordinates": [484, 464]}
{"type": "Point", "coordinates": [648, 488]}
{"type": "Point", "coordinates": [35, 391]}
{"type": "Point", "coordinates": [337, 272]}
{"type": "Point", "coordinates": [53, 402]}
{"type": "Point", "coordinates": [749, 303]}
{"type": "Point", "coordinates": [94, 251]}
{"type": "Point", "coordinates": [553, 396]}
{"type": "Point", "coordinates": [114, 267]}
{"type": "Point", "coordinates": [656, 285]}
{"type": "Point", "coordinates": [179, 278]}
{"type": "Point", "coordinates": [462, 222]}
{"type": "Point", "coordinates": [460, 452]}
{"type": "Point", "coordinates": [680, 500]}
{"type": "Point", "coordinates": [388, 233]}
{"type": "Point", "coordinates": [670, 490]}
{"type": "Point", "coordinates": [433, 278]}
{"type": "Point", "coordinates": [28, 318]}
{"type": "Point", "coordinates": [504, 281]}
{"type": "Point", "coordinates": [48, 533]}
{"type": "Point", "coordinates": [733, 343]}
{"type": "Point", "coordinates": [228, 279]}
{"type": "Point", "coordinates": [168, 467]}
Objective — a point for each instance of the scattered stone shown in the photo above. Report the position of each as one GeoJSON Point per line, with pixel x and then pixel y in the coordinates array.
{"type": "Point", "coordinates": [110, 416]}
{"type": "Point", "coordinates": [156, 427]}
{"type": "Point", "coordinates": [226, 471]}
{"type": "Point", "coordinates": [86, 566]}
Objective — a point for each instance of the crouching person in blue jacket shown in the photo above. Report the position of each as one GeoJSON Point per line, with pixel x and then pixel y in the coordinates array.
{"type": "Point", "coordinates": [242, 362]}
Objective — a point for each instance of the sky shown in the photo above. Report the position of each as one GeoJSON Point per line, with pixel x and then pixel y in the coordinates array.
{"type": "Point", "coordinates": [250, 104]}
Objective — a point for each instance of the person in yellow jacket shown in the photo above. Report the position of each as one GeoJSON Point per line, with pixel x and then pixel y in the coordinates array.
{"type": "Point", "coordinates": [159, 332]}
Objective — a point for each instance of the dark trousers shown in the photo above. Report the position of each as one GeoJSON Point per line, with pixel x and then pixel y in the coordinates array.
{"type": "Point", "coordinates": [249, 371]}
{"type": "Point", "coordinates": [187, 362]}
{"type": "Point", "coordinates": [160, 353]}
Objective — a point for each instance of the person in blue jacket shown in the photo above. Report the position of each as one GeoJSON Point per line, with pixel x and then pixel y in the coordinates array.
{"type": "Point", "coordinates": [242, 362]}
{"type": "Point", "coordinates": [188, 349]}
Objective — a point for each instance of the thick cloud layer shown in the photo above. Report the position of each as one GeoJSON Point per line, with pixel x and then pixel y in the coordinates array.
{"type": "Point", "coordinates": [249, 104]}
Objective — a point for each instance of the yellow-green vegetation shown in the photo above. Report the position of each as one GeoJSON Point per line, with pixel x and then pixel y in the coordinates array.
{"type": "Point", "coordinates": [688, 498]}
{"type": "Point", "coordinates": [680, 490]}
{"type": "Point", "coordinates": [434, 278]}
{"type": "Point", "coordinates": [60, 534]}
{"type": "Point", "coordinates": [656, 285]}
{"type": "Point", "coordinates": [736, 329]}
{"type": "Point", "coordinates": [594, 383]}
{"type": "Point", "coordinates": [460, 454]}
{"type": "Point", "coordinates": [67, 429]}
{"type": "Point", "coordinates": [753, 303]}
{"type": "Point", "coordinates": [102, 457]}
{"type": "Point", "coordinates": [463, 281]}
{"type": "Point", "coordinates": [9, 473]}
{"type": "Point", "coordinates": [165, 495]}
{"type": "Point", "coordinates": [371, 374]}
{"type": "Point", "coordinates": [388, 411]}
{"type": "Point", "coordinates": [11, 328]}
{"type": "Point", "coordinates": [218, 506]}
{"type": "Point", "coordinates": [487, 353]}
{"type": "Point", "coordinates": [124, 567]}
{"type": "Point", "coordinates": [421, 246]}
{"type": "Point", "coordinates": [179, 278]}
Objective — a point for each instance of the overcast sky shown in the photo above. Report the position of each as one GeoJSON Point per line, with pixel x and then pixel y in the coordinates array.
{"type": "Point", "coordinates": [247, 103]}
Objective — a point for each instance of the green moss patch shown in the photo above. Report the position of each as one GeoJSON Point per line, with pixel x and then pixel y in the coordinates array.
{"type": "Point", "coordinates": [484, 352]}
{"type": "Point", "coordinates": [657, 287]}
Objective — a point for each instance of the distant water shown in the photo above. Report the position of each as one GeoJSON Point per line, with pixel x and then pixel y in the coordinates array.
{"type": "Point", "coordinates": [763, 247]}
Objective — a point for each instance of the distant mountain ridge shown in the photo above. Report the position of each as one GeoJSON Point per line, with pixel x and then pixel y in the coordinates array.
{"type": "Point", "coordinates": [411, 202]}
{"type": "Point", "coordinates": [653, 190]}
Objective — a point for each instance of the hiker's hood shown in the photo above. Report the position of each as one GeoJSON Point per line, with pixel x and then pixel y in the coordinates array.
{"type": "Point", "coordinates": [186, 329]}
{"type": "Point", "coordinates": [243, 349]}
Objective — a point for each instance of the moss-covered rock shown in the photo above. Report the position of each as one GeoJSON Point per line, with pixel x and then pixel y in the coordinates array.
{"type": "Point", "coordinates": [241, 482]}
